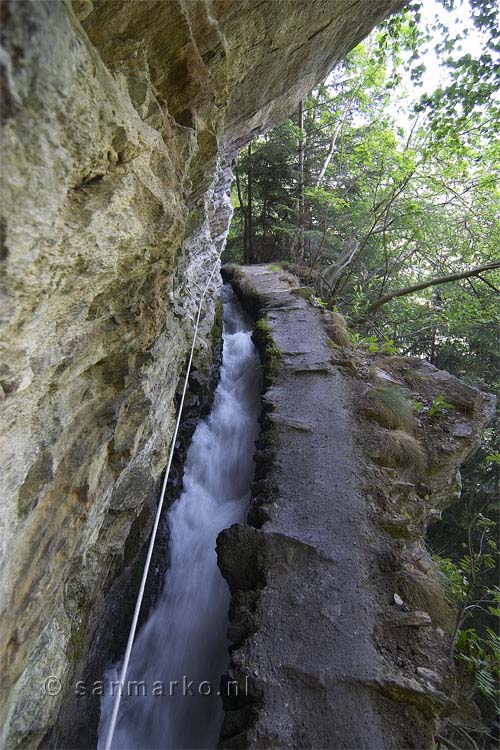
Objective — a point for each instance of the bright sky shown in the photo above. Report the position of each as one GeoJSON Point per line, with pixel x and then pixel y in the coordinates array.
{"type": "Point", "coordinates": [458, 20]}
{"type": "Point", "coordinates": [436, 74]}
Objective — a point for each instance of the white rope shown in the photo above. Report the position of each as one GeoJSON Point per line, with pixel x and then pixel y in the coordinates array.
{"type": "Point", "coordinates": [133, 627]}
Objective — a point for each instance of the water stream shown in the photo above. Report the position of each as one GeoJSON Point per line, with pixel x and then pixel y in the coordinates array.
{"type": "Point", "coordinates": [182, 648]}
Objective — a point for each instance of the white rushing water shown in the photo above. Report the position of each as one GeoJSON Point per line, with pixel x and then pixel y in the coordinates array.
{"type": "Point", "coordinates": [184, 639]}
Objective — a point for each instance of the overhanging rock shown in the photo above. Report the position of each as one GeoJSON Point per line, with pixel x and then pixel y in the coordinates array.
{"type": "Point", "coordinates": [119, 123]}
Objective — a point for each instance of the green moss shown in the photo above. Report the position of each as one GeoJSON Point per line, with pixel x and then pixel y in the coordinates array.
{"type": "Point", "coordinates": [263, 326]}
{"type": "Point", "coordinates": [217, 326]}
{"type": "Point", "coordinates": [76, 645]}
{"type": "Point", "coordinates": [274, 353]}
{"type": "Point", "coordinates": [270, 354]}
{"type": "Point", "coordinates": [265, 439]}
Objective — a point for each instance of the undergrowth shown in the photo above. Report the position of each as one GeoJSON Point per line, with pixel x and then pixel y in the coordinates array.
{"type": "Point", "coordinates": [422, 586]}
{"type": "Point", "coordinates": [388, 406]}
{"type": "Point", "coordinates": [399, 449]}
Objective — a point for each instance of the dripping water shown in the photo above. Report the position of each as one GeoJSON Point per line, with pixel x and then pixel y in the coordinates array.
{"type": "Point", "coordinates": [182, 648]}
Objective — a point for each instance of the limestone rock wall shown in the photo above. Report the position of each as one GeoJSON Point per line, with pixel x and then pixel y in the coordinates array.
{"type": "Point", "coordinates": [120, 121]}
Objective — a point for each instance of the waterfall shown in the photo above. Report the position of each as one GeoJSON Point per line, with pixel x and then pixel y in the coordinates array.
{"type": "Point", "coordinates": [181, 650]}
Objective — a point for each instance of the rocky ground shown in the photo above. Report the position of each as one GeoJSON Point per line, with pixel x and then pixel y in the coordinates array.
{"type": "Point", "coordinates": [331, 657]}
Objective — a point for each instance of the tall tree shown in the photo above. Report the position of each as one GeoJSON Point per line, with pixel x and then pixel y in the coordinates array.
{"type": "Point", "coordinates": [300, 213]}
{"type": "Point", "coordinates": [250, 256]}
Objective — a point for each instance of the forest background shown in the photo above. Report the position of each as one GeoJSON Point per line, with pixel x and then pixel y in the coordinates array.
{"type": "Point", "coordinates": [382, 193]}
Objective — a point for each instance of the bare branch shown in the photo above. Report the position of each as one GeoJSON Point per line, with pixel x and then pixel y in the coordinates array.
{"type": "Point", "coordinates": [432, 282]}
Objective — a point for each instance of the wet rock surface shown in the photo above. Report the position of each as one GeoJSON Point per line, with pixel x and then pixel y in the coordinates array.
{"type": "Point", "coordinates": [327, 649]}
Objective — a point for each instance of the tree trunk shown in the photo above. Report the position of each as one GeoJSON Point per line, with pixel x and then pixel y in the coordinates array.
{"type": "Point", "coordinates": [244, 213]}
{"type": "Point", "coordinates": [250, 239]}
{"type": "Point", "coordinates": [335, 134]}
{"type": "Point", "coordinates": [300, 217]}
{"type": "Point", "coordinates": [329, 154]}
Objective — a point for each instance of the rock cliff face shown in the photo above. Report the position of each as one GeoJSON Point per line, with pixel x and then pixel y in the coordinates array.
{"type": "Point", "coordinates": [120, 120]}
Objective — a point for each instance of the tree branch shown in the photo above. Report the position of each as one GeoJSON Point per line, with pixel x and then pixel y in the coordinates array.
{"type": "Point", "coordinates": [431, 282]}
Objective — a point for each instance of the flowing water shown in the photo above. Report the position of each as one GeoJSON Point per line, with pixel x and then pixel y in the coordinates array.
{"type": "Point", "coordinates": [184, 639]}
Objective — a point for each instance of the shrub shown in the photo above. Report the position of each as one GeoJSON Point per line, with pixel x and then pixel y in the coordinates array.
{"type": "Point", "coordinates": [439, 407]}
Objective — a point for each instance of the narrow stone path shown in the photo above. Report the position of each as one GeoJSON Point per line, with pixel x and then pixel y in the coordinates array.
{"type": "Point", "coordinates": [304, 604]}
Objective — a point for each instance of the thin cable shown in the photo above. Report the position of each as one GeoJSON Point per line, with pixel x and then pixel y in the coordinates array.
{"type": "Point", "coordinates": [133, 627]}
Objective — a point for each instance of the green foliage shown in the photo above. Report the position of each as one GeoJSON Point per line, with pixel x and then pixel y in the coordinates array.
{"type": "Point", "coordinates": [476, 647]}
{"type": "Point", "coordinates": [439, 407]}
{"type": "Point", "coordinates": [321, 302]}
{"type": "Point", "coordinates": [482, 657]}
{"type": "Point", "coordinates": [455, 580]}
{"type": "Point", "coordinates": [386, 206]}
{"type": "Point", "coordinates": [381, 205]}
{"type": "Point", "coordinates": [372, 344]}
{"type": "Point", "coordinates": [471, 98]}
